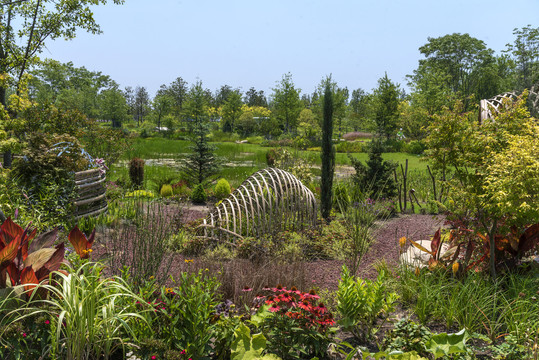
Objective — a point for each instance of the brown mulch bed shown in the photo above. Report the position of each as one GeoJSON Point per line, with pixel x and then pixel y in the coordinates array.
{"type": "Point", "coordinates": [326, 273]}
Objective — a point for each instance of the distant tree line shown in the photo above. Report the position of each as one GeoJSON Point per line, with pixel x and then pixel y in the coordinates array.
{"type": "Point", "coordinates": [453, 67]}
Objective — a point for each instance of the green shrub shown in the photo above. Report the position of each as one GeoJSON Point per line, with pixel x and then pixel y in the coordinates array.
{"type": "Point", "coordinates": [255, 140]}
{"type": "Point", "coordinates": [350, 147]}
{"type": "Point", "coordinates": [198, 195]}
{"type": "Point", "coordinates": [220, 252]}
{"type": "Point", "coordinates": [341, 199]}
{"type": "Point", "coordinates": [415, 147]}
{"type": "Point", "coordinates": [166, 190]}
{"type": "Point", "coordinates": [361, 302]}
{"type": "Point", "coordinates": [407, 336]}
{"type": "Point", "coordinates": [136, 172]}
{"type": "Point", "coordinates": [183, 313]}
{"type": "Point", "coordinates": [222, 189]}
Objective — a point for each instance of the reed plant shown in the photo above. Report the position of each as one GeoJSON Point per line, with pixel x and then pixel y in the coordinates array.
{"type": "Point", "coordinates": [90, 317]}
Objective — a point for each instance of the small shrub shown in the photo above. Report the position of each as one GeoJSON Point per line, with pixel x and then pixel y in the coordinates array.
{"type": "Point", "coordinates": [341, 199]}
{"type": "Point", "coordinates": [198, 195]}
{"type": "Point", "coordinates": [183, 313]}
{"type": "Point", "coordinates": [350, 147]}
{"type": "Point", "coordinates": [220, 252]}
{"type": "Point", "coordinates": [361, 302]}
{"type": "Point", "coordinates": [222, 189]}
{"type": "Point", "coordinates": [407, 336]}
{"type": "Point", "coordinates": [415, 147]}
{"type": "Point", "coordinates": [166, 191]}
{"type": "Point", "coordinates": [136, 172]}
{"type": "Point", "coordinates": [296, 324]}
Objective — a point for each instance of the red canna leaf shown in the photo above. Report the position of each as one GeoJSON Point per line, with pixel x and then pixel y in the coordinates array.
{"type": "Point", "coordinates": [529, 239]}
{"type": "Point", "coordinates": [10, 229]}
{"type": "Point", "coordinates": [53, 264]}
{"type": "Point", "coordinates": [80, 243]}
{"type": "Point", "coordinates": [29, 280]}
{"type": "Point", "coordinates": [14, 274]}
{"type": "Point", "coordinates": [46, 239]}
{"type": "Point", "coordinates": [436, 243]}
{"type": "Point", "coordinates": [9, 253]}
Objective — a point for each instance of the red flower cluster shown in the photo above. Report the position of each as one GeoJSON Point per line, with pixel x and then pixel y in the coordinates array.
{"type": "Point", "coordinates": [297, 305]}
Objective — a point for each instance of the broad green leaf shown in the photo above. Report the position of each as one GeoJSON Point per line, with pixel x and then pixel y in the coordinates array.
{"type": "Point", "coordinates": [447, 344]}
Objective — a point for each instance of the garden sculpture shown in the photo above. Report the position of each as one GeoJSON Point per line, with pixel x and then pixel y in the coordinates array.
{"type": "Point", "coordinates": [490, 107]}
{"type": "Point", "coordinates": [269, 201]}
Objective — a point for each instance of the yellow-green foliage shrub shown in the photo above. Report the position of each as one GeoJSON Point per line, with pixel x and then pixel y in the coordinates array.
{"type": "Point", "coordinates": [166, 191]}
{"type": "Point", "coordinates": [222, 189]}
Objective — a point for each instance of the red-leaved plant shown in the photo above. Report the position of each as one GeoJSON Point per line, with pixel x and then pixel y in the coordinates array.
{"type": "Point", "coordinates": [28, 260]}
{"type": "Point", "coordinates": [469, 249]}
{"type": "Point", "coordinates": [25, 259]}
{"type": "Point", "coordinates": [294, 322]}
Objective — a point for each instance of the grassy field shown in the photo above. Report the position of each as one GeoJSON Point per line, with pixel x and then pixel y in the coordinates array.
{"type": "Point", "coordinates": [239, 160]}
{"type": "Point", "coordinates": [159, 148]}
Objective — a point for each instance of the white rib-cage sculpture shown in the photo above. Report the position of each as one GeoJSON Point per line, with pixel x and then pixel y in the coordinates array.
{"type": "Point", "coordinates": [489, 108]}
{"type": "Point", "coordinates": [268, 201]}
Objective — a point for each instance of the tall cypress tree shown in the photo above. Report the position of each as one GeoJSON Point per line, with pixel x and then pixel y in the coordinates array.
{"type": "Point", "coordinates": [328, 152]}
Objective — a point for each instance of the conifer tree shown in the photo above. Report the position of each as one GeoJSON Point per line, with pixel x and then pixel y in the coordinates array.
{"type": "Point", "coordinates": [328, 152]}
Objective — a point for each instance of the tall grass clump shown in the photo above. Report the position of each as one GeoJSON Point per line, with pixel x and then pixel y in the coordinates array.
{"type": "Point", "coordinates": [90, 318]}
{"type": "Point", "coordinates": [141, 244]}
{"type": "Point", "coordinates": [475, 302]}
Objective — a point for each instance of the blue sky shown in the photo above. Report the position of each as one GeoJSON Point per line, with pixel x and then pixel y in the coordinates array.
{"type": "Point", "coordinates": [253, 43]}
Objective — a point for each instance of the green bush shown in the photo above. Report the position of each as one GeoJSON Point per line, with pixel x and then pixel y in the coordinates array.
{"type": "Point", "coordinates": [415, 147]}
{"type": "Point", "coordinates": [166, 190]}
{"type": "Point", "coordinates": [407, 336]}
{"type": "Point", "coordinates": [222, 189]}
{"type": "Point", "coordinates": [183, 313]}
{"type": "Point", "coordinates": [350, 147]}
{"type": "Point", "coordinates": [198, 195]}
{"type": "Point", "coordinates": [361, 302]}
{"type": "Point", "coordinates": [341, 199]}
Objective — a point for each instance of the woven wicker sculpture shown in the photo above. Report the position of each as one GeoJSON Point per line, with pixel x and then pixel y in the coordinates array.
{"type": "Point", "coordinates": [267, 202]}
{"type": "Point", "coordinates": [490, 107]}
{"type": "Point", "coordinates": [90, 188]}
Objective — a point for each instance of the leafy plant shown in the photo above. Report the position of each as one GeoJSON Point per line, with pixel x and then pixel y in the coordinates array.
{"type": "Point", "coordinates": [361, 302]}
{"type": "Point", "coordinates": [184, 313]}
{"type": "Point", "coordinates": [222, 189]}
{"type": "Point", "coordinates": [91, 317]}
{"type": "Point", "coordinates": [27, 263]}
{"type": "Point", "coordinates": [249, 347]}
{"type": "Point", "coordinates": [407, 336]}
{"type": "Point", "coordinates": [198, 195]}
{"type": "Point", "coordinates": [166, 190]}
{"type": "Point", "coordinates": [296, 325]}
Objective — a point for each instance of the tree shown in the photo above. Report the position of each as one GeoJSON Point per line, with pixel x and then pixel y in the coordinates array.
{"type": "Point", "coordinates": [340, 101]}
{"type": "Point", "coordinates": [113, 105]}
{"type": "Point", "coordinates": [525, 51]}
{"type": "Point", "coordinates": [231, 111]}
{"type": "Point", "coordinates": [178, 92]}
{"type": "Point", "coordinates": [328, 151]}
{"type": "Point", "coordinates": [387, 103]}
{"type": "Point", "coordinates": [222, 95]}
{"type": "Point", "coordinates": [495, 167]}
{"type": "Point", "coordinates": [255, 98]}
{"type": "Point", "coordinates": [68, 86]}
{"type": "Point", "coordinates": [27, 25]}
{"type": "Point", "coordinates": [202, 162]}
{"type": "Point", "coordinates": [129, 95]}
{"type": "Point", "coordinates": [458, 62]}
{"type": "Point", "coordinates": [142, 104]}
{"type": "Point", "coordinates": [359, 109]}
{"type": "Point", "coordinates": [287, 104]}
{"type": "Point", "coordinates": [162, 103]}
